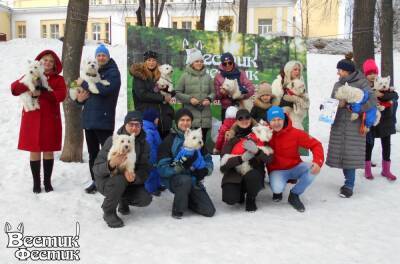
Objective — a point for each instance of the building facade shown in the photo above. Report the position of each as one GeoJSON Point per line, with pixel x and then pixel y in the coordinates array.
{"type": "Point", "coordinates": [5, 23]}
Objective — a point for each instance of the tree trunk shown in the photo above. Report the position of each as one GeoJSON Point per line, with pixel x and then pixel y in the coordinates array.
{"type": "Point", "coordinates": [74, 38]}
{"type": "Point", "coordinates": [386, 29]}
{"type": "Point", "coordinates": [363, 31]}
{"type": "Point", "coordinates": [203, 7]}
{"type": "Point", "coordinates": [152, 13]}
{"type": "Point", "coordinates": [159, 12]}
{"type": "Point", "coordinates": [243, 16]}
{"type": "Point", "coordinates": [141, 13]}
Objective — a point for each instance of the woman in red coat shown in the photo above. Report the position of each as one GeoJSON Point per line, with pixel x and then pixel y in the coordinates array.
{"type": "Point", "coordinates": [41, 129]}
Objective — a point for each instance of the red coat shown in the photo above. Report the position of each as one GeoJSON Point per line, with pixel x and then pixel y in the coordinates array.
{"type": "Point", "coordinates": [286, 144]}
{"type": "Point", "coordinates": [41, 130]}
{"type": "Point", "coordinates": [225, 127]}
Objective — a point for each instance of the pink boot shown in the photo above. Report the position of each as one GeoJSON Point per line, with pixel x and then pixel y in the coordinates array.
{"type": "Point", "coordinates": [386, 170]}
{"type": "Point", "coordinates": [367, 170]}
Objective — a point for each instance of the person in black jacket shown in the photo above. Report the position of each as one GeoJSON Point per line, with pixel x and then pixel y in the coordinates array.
{"type": "Point", "coordinates": [146, 95]}
{"type": "Point", "coordinates": [128, 188]}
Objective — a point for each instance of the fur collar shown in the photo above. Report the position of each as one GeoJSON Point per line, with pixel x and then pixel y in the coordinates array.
{"type": "Point", "coordinates": [138, 70]}
{"type": "Point", "coordinates": [261, 104]}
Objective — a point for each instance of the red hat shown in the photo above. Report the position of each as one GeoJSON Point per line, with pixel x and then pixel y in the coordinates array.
{"type": "Point", "coordinates": [370, 67]}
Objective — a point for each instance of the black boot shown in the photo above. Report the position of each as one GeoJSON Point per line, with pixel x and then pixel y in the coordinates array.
{"type": "Point", "coordinates": [294, 200]}
{"type": "Point", "coordinates": [35, 168]}
{"type": "Point", "coordinates": [112, 219]}
{"type": "Point", "coordinates": [345, 192]}
{"type": "Point", "coordinates": [177, 215]}
{"type": "Point", "coordinates": [92, 188]}
{"type": "Point", "coordinates": [48, 170]}
{"type": "Point", "coordinates": [277, 197]}
{"type": "Point", "coordinates": [251, 204]}
{"type": "Point", "coordinates": [123, 207]}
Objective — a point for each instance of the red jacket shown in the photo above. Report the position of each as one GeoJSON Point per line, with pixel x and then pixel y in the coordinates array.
{"type": "Point", "coordinates": [41, 130]}
{"type": "Point", "coordinates": [225, 127]}
{"type": "Point", "coordinates": [286, 144]}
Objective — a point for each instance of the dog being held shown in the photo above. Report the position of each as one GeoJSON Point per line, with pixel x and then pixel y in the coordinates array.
{"type": "Point", "coordinates": [91, 75]}
{"type": "Point", "coordinates": [33, 79]}
{"type": "Point", "coordinates": [382, 85]}
{"type": "Point", "coordinates": [233, 90]}
{"type": "Point", "coordinates": [261, 135]}
{"type": "Point", "coordinates": [192, 147]}
{"type": "Point", "coordinates": [295, 93]}
{"type": "Point", "coordinates": [123, 144]}
{"type": "Point", "coordinates": [164, 84]}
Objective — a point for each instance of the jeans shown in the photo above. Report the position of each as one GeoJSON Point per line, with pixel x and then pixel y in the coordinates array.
{"type": "Point", "coordinates": [301, 172]}
{"type": "Point", "coordinates": [349, 177]}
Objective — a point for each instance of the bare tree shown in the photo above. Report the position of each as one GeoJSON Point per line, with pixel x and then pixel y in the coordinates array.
{"type": "Point", "coordinates": [243, 16]}
{"type": "Point", "coordinates": [141, 13]}
{"type": "Point", "coordinates": [203, 8]}
{"type": "Point", "coordinates": [363, 30]}
{"type": "Point", "coordinates": [386, 29]}
{"type": "Point", "coordinates": [74, 37]}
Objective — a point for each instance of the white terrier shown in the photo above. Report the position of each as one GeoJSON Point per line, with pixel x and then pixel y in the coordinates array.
{"type": "Point", "coordinates": [33, 77]}
{"type": "Point", "coordinates": [296, 93]}
{"type": "Point", "coordinates": [165, 82]}
{"type": "Point", "coordinates": [91, 75]}
{"type": "Point", "coordinates": [232, 88]}
{"type": "Point", "coordinates": [123, 144]}
{"type": "Point", "coordinates": [382, 84]}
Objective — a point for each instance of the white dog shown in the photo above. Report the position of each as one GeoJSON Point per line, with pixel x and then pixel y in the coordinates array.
{"type": "Point", "coordinates": [123, 144]}
{"type": "Point", "coordinates": [296, 93]}
{"type": "Point", "coordinates": [165, 82]}
{"type": "Point", "coordinates": [34, 76]}
{"type": "Point", "coordinates": [261, 134]}
{"type": "Point", "coordinates": [232, 88]}
{"type": "Point", "coordinates": [91, 75]}
{"type": "Point", "coordinates": [382, 84]}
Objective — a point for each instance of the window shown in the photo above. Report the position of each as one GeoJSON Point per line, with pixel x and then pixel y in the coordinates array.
{"type": "Point", "coordinates": [96, 31]}
{"type": "Point", "coordinates": [106, 26]}
{"type": "Point", "coordinates": [44, 31]}
{"type": "Point", "coordinates": [175, 25]}
{"type": "Point", "coordinates": [96, 2]}
{"type": "Point", "coordinates": [54, 31]}
{"type": "Point", "coordinates": [264, 26]}
{"type": "Point", "coordinates": [21, 31]}
{"type": "Point", "coordinates": [186, 25]}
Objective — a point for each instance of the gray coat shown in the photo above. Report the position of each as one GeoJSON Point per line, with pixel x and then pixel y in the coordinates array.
{"type": "Point", "coordinates": [346, 148]}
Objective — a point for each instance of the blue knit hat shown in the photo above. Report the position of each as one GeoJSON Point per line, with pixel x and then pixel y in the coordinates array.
{"type": "Point", "coordinates": [273, 112]}
{"type": "Point", "coordinates": [150, 115]}
{"type": "Point", "coordinates": [133, 116]}
{"type": "Point", "coordinates": [227, 56]}
{"type": "Point", "coordinates": [102, 49]}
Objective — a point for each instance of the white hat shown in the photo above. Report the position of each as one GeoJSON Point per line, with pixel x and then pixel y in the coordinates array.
{"type": "Point", "coordinates": [193, 55]}
{"type": "Point", "coordinates": [231, 112]}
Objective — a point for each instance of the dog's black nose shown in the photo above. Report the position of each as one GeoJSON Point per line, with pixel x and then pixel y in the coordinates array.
{"type": "Point", "coordinates": [92, 66]}
{"type": "Point", "coordinates": [126, 147]}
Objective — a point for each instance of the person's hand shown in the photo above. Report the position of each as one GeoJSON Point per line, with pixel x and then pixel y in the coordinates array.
{"type": "Point", "coordinates": [227, 135]}
{"type": "Point", "coordinates": [194, 101]}
{"type": "Point", "coordinates": [342, 103]}
{"type": "Point", "coordinates": [250, 146]}
{"type": "Point", "coordinates": [200, 173]}
{"type": "Point", "coordinates": [130, 176]}
{"type": "Point", "coordinates": [116, 160]}
{"type": "Point", "coordinates": [379, 94]}
{"type": "Point", "coordinates": [79, 81]}
{"type": "Point", "coordinates": [315, 168]}
{"type": "Point", "coordinates": [188, 162]}
{"type": "Point", "coordinates": [167, 98]}
{"type": "Point", "coordinates": [206, 102]}
{"type": "Point", "coordinates": [247, 156]}
{"type": "Point", "coordinates": [35, 93]}
{"type": "Point", "coordinates": [82, 95]}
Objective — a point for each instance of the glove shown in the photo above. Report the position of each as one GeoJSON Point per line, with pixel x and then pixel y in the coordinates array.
{"type": "Point", "coordinates": [200, 173]}
{"type": "Point", "coordinates": [247, 156]}
{"type": "Point", "coordinates": [188, 162]}
{"type": "Point", "coordinates": [250, 146]}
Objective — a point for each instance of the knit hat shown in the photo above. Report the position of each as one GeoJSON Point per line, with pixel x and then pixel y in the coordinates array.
{"type": "Point", "coordinates": [231, 112]}
{"type": "Point", "coordinates": [150, 55]}
{"type": "Point", "coordinates": [347, 63]}
{"type": "Point", "coordinates": [274, 112]}
{"type": "Point", "coordinates": [150, 115]}
{"type": "Point", "coordinates": [369, 67]}
{"type": "Point", "coordinates": [181, 113]}
{"type": "Point", "coordinates": [193, 55]}
{"type": "Point", "coordinates": [264, 89]}
{"type": "Point", "coordinates": [133, 116]}
{"type": "Point", "coordinates": [102, 49]}
{"type": "Point", "coordinates": [227, 56]}
{"type": "Point", "coordinates": [242, 113]}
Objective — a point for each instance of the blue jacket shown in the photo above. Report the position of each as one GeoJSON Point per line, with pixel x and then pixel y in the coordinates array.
{"type": "Point", "coordinates": [99, 109]}
{"type": "Point", "coordinates": [370, 114]}
{"type": "Point", "coordinates": [169, 149]}
{"type": "Point", "coordinates": [153, 139]}
{"type": "Point", "coordinates": [184, 153]}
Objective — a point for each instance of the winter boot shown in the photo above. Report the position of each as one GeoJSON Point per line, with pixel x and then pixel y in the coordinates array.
{"type": "Point", "coordinates": [123, 207]}
{"type": "Point", "coordinates": [48, 170]}
{"type": "Point", "coordinates": [294, 200]}
{"type": "Point", "coordinates": [345, 192]}
{"type": "Point", "coordinates": [367, 170]}
{"type": "Point", "coordinates": [251, 204]}
{"type": "Point", "coordinates": [112, 219]}
{"type": "Point", "coordinates": [241, 199]}
{"type": "Point", "coordinates": [177, 215]}
{"type": "Point", "coordinates": [277, 197]}
{"type": "Point", "coordinates": [35, 168]}
{"type": "Point", "coordinates": [386, 170]}
{"type": "Point", "coordinates": [91, 189]}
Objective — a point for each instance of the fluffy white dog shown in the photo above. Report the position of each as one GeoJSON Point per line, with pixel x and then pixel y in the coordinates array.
{"type": "Point", "coordinates": [296, 93]}
{"type": "Point", "coordinates": [165, 82]}
{"type": "Point", "coordinates": [123, 144]}
{"type": "Point", "coordinates": [91, 75]}
{"type": "Point", "coordinates": [33, 77]}
{"type": "Point", "coordinates": [232, 88]}
{"type": "Point", "coordinates": [382, 84]}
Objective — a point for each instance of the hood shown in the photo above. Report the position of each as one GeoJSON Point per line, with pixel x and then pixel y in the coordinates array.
{"type": "Point", "coordinates": [149, 125]}
{"type": "Point", "coordinates": [57, 61]}
{"type": "Point", "coordinates": [110, 64]}
{"type": "Point", "coordinates": [289, 67]}
{"type": "Point", "coordinates": [192, 71]}
{"type": "Point", "coordinates": [353, 77]}
{"type": "Point", "coordinates": [138, 70]}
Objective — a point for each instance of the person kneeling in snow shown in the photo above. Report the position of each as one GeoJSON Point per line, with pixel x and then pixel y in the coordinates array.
{"type": "Point", "coordinates": [128, 188]}
{"type": "Point", "coordinates": [286, 164]}
{"type": "Point", "coordinates": [178, 177]}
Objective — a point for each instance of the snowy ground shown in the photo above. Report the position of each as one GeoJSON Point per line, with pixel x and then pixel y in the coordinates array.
{"type": "Point", "coordinates": [363, 229]}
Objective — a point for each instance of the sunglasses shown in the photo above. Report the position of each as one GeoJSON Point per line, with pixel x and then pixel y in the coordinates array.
{"type": "Point", "coordinates": [227, 63]}
{"type": "Point", "coordinates": [244, 118]}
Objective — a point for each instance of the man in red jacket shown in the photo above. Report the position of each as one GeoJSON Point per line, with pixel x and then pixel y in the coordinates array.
{"type": "Point", "coordinates": [286, 164]}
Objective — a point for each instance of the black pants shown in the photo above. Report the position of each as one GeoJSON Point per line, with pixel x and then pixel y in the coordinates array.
{"type": "Point", "coordinates": [251, 184]}
{"type": "Point", "coordinates": [117, 188]}
{"type": "Point", "coordinates": [188, 196]}
{"type": "Point", "coordinates": [223, 111]}
{"type": "Point", "coordinates": [94, 139]}
{"type": "Point", "coordinates": [385, 142]}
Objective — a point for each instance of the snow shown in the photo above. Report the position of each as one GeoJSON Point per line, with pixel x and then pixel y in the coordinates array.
{"type": "Point", "coordinates": [363, 229]}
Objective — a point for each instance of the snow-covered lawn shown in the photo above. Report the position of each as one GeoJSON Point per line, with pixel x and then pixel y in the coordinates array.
{"type": "Point", "coordinates": [363, 229]}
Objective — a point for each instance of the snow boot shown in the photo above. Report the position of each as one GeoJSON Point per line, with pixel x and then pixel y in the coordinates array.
{"type": "Point", "coordinates": [277, 197]}
{"type": "Point", "coordinates": [91, 189]}
{"type": "Point", "coordinates": [294, 200]}
{"type": "Point", "coordinates": [345, 192]}
{"type": "Point", "coordinates": [35, 169]}
{"type": "Point", "coordinates": [112, 219]}
{"type": "Point", "coordinates": [367, 170]}
{"type": "Point", "coordinates": [251, 204]}
{"type": "Point", "coordinates": [177, 215]}
{"type": "Point", "coordinates": [123, 207]}
{"type": "Point", "coordinates": [48, 170]}
{"type": "Point", "coordinates": [386, 170]}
